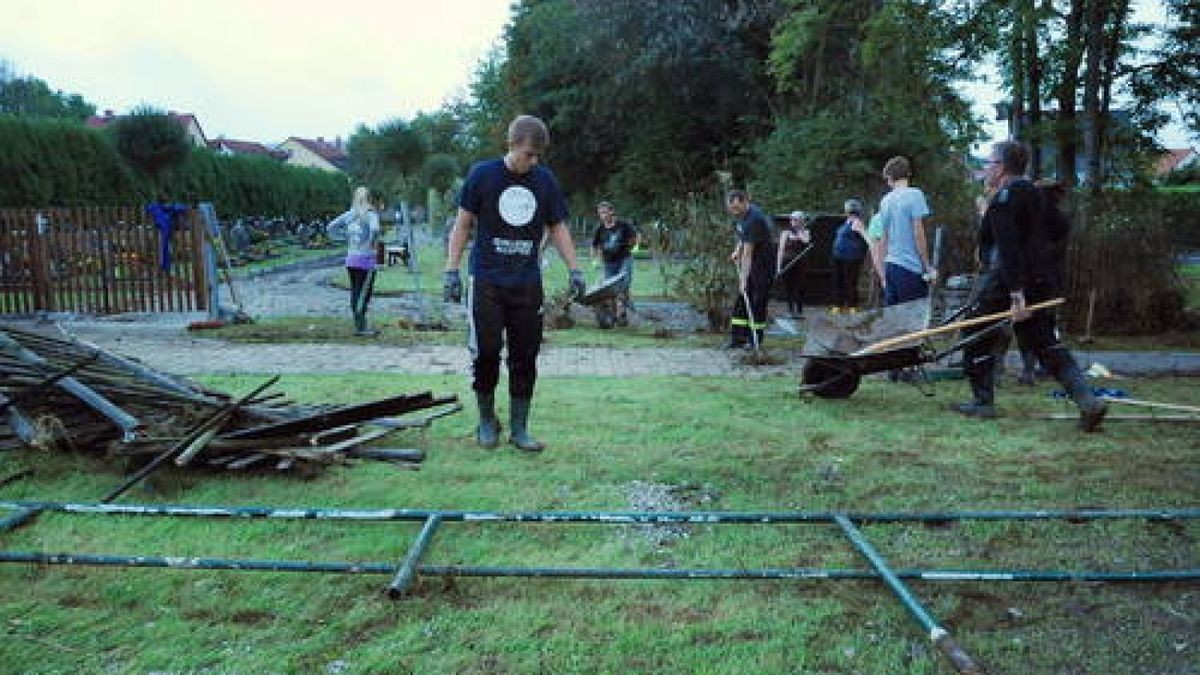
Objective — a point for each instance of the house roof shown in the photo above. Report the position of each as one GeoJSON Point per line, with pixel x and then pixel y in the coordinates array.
{"type": "Point", "coordinates": [1174, 159]}
{"type": "Point", "coordinates": [185, 120]}
{"type": "Point", "coordinates": [327, 151]}
{"type": "Point", "coordinates": [236, 147]}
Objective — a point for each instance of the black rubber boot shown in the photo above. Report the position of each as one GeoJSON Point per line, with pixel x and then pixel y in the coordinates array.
{"type": "Point", "coordinates": [1028, 376]}
{"type": "Point", "coordinates": [519, 423]}
{"type": "Point", "coordinates": [982, 377]}
{"type": "Point", "coordinates": [1059, 362]}
{"type": "Point", "coordinates": [487, 434]}
{"type": "Point", "coordinates": [362, 328]}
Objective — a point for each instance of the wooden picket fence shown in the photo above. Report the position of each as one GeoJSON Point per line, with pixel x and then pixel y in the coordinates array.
{"type": "Point", "coordinates": [99, 260]}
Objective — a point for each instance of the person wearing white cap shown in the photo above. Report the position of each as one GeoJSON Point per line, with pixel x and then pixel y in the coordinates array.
{"type": "Point", "coordinates": [849, 251]}
{"type": "Point", "coordinates": [793, 241]}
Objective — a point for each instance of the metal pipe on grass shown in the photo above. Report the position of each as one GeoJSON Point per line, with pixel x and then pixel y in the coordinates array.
{"type": "Point", "coordinates": [940, 637]}
{"type": "Point", "coordinates": [408, 568]}
{"type": "Point", "coordinates": [651, 573]}
{"type": "Point", "coordinates": [610, 517]}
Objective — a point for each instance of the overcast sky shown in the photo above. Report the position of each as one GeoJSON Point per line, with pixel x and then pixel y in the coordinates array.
{"type": "Point", "coordinates": [257, 69]}
{"type": "Point", "coordinates": [267, 69]}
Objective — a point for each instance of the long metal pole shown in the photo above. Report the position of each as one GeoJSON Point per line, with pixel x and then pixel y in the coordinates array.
{"type": "Point", "coordinates": [938, 635]}
{"type": "Point", "coordinates": [610, 517]}
{"type": "Point", "coordinates": [695, 574]}
{"type": "Point", "coordinates": [408, 568]}
{"type": "Point", "coordinates": [128, 424]}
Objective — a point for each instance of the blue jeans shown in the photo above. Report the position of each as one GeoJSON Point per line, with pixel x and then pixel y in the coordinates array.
{"type": "Point", "coordinates": [901, 285]}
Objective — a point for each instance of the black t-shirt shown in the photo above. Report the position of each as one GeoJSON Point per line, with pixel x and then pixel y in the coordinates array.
{"type": "Point", "coordinates": [511, 211]}
{"type": "Point", "coordinates": [616, 242]}
{"type": "Point", "coordinates": [753, 228]}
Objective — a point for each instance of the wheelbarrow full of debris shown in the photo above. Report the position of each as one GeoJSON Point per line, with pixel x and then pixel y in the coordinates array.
{"type": "Point", "coordinates": [886, 339]}
{"type": "Point", "coordinates": [603, 298]}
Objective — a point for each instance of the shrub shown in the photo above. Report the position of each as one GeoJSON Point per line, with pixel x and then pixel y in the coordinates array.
{"type": "Point", "coordinates": [1121, 249]}
{"type": "Point", "coordinates": [703, 238]}
{"type": "Point", "coordinates": [59, 163]}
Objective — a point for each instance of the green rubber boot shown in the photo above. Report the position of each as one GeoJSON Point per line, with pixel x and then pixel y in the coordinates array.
{"type": "Point", "coordinates": [519, 423]}
{"type": "Point", "coordinates": [487, 434]}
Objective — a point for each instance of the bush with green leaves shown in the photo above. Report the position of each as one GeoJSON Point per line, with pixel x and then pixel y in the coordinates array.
{"type": "Point", "coordinates": [701, 235]}
{"type": "Point", "coordinates": [1121, 249]}
{"type": "Point", "coordinates": [150, 142]}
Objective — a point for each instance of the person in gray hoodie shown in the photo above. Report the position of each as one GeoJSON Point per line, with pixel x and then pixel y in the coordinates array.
{"type": "Point", "coordinates": [359, 227]}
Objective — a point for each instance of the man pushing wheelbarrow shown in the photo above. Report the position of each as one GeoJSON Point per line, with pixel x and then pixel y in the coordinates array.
{"type": "Point", "coordinates": [613, 243]}
{"type": "Point", "coordinates": [1020, 251]}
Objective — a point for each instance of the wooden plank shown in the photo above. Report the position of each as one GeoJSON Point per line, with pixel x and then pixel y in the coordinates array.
{"type": "Point", "coordinates": [106, 274]}
{"type": "Point", "coordinates": [119, 293]}
{"type": "Point", "coordinates": [144, 258]}
{"type": "Point", "coordinates": [67, 260]}
{"type": "Point", "coordinates": [43, 295]}
{"type": "Point", "coordinates": [252, 458]}
{"type": "Point", "coordinates": [950, 327]}
{"type": "Point", "coordinates": [149, 261]}
{"type": "Point", "coordinates": [199, 271]}
{"type": "Point", "coordinates": [1126, 417]}
{"type": "Point", "coordinates": [94, 267]}
{"type": "Point", "coordinates": [1153, 404]}
{"type": "Point", "coordinates": [10, 257]}
{"type": "Point", "coordinates": [396, 405]}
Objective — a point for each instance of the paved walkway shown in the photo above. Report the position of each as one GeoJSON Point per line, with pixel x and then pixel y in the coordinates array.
{"type": "Point", "coordinates": [171, 348]}
{"type": "Point", "coordinates": [164, 343]}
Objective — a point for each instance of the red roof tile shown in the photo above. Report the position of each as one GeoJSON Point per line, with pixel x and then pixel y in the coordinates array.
{"type": "Point", "coordinates": [326, 151]}
{"type": "Point", "coordinates": [1172, 160]}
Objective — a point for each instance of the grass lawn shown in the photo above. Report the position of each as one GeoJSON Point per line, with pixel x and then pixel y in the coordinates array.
{"type": "Point", "coordinates": [1191, 275]}
{"type": "Point", "coordinates": [707, 444]}
{"type": "Point", "coordinates": [287, 254]}
{"type": "Point", "coordinates": [647, 281]}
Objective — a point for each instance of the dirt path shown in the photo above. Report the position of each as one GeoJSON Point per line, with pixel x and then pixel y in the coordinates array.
{"type": "Point", "coordinates": [163, 342]}
{"type": "Point", "coordinates": [170, 348]}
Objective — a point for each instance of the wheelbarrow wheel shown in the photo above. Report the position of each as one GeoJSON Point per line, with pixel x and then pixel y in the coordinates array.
{"type": "Point", "coordinates": [606, 317]}
{"type": "Point", "coordinates": [828, 380]}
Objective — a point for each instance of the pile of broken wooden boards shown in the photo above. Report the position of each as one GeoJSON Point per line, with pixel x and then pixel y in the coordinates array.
{"type": "Point", "coordinates": [68, 394]}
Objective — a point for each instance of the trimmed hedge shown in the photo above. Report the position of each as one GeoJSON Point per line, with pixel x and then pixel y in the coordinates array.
{"type": "Point", "coordinates": [62, 163]}
{"type": "Point", "coordinates": [1123, 246]}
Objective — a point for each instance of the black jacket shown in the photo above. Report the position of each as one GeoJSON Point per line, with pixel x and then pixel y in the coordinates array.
{"type": "Point", "coordinates": [1023, 238]}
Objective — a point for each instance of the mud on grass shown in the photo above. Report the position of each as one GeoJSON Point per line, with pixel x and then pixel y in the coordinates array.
{"type": "Point", "coordinates": [621, 444]}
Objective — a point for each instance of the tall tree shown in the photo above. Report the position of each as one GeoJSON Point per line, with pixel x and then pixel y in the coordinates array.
{"type": "Point", "coordinates": [861, 81]}
{"type": "Point", "coordinates": [152, 142]}
{"type": "Point", "coordinates": [30, 97]}
{"type": "Point", "coordinates": [643, 99]}
{"type": "Point", "coordinates": [1173, 65]}
{"type": "Point", "coordinates": [387, 157]}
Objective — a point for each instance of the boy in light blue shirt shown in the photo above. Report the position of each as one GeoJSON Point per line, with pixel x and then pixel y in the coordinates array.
{"type": "Point", "coordinates": [906, 271]}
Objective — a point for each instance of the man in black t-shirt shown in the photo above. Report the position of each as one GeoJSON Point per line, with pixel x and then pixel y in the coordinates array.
{"type": "Point", "coordinates": [756, 270]}
{"type": "Point", "coordinates": [613, 242]}
{"type": "Point", "coordinates": [509, 203]}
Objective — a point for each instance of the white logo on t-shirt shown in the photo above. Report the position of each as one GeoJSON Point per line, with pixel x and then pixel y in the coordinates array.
{"type": "Point", "coordinates": [517, 205]}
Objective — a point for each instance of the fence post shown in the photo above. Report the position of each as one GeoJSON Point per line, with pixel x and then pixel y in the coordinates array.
{"type": "Point", "coordinates": [199, 252]}
{"type": "Point", "coordinates": [43, 296]}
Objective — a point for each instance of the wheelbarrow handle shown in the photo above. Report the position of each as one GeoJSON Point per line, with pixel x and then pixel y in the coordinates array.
{"type": "Point", "coordinates": [951, 327]}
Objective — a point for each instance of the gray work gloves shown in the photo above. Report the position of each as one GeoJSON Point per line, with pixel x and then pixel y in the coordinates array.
{"type": "Point", "coordinates": [451, 286]}
{"type": "Point", "coordinates": [578, 285]}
